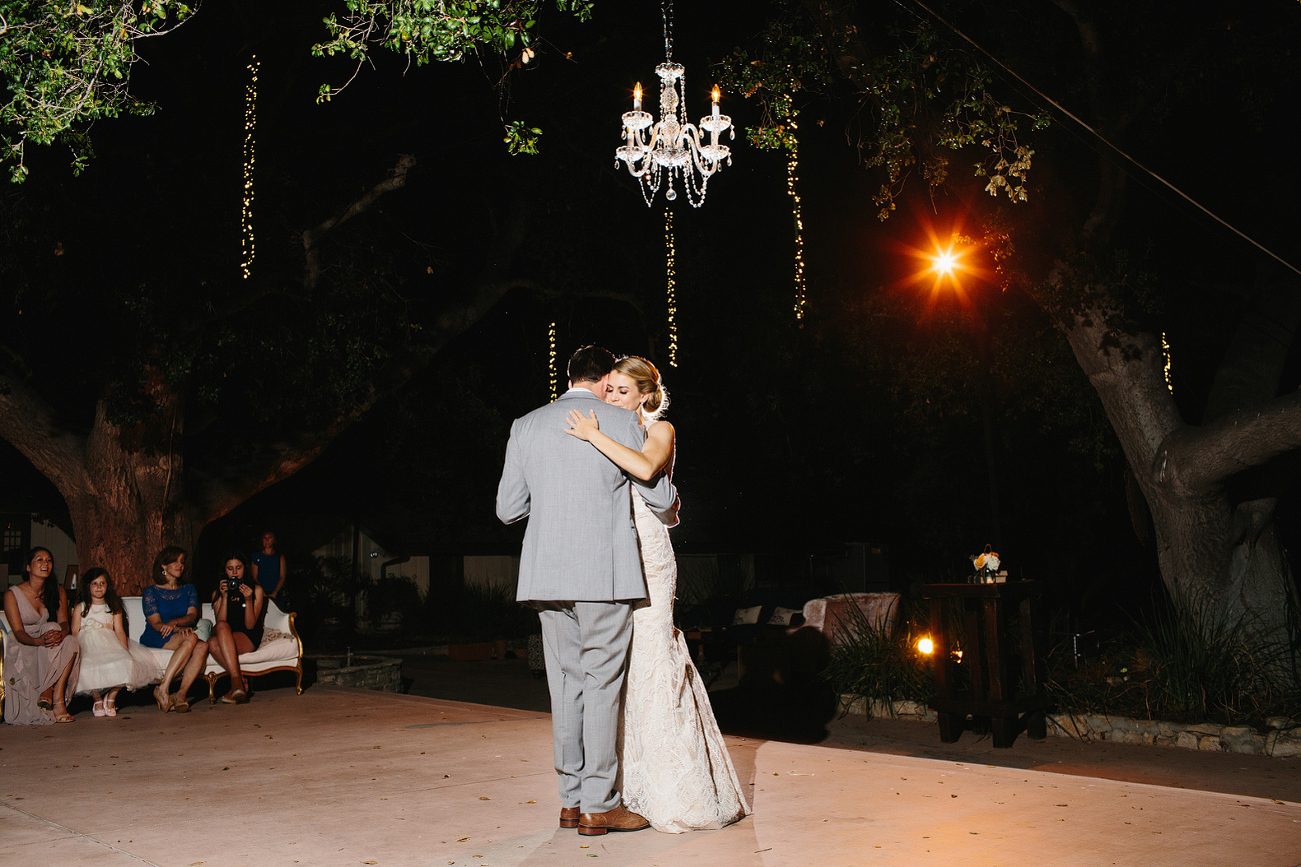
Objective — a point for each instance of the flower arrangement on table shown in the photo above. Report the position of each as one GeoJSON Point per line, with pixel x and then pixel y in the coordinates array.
{"type": "Point", "coordinates": [986, 566]}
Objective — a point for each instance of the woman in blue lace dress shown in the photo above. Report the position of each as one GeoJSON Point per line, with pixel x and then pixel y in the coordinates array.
{"type": "Point", "coordinates": [171, 610]}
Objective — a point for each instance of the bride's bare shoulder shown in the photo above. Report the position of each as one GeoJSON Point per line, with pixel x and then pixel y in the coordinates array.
{"type": "Point", "coordinates": [661, 429]}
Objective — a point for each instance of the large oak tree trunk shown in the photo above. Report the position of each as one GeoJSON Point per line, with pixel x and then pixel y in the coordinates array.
{"type": "Point", "coordinates": [1218, 557]}
{"type": "Point", "coordinates": [124, 487]}
{"type": "Point", "coordinates": [133, 504]}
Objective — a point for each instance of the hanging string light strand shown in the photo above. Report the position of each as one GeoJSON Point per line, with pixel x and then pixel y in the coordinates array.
{"type": "Point", "coordinates": [1165, 351]}
{"type": "Point", "coordinates": [552, 371]}
{"type": "Point", "coordinates": [247, 250]}
{"type": "Point", "coordinates": [671, 298]}
{"type": "Point", "coordinates": [792, 179]}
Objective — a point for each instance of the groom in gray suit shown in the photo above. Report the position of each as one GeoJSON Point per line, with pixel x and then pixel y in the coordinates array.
{"type": "Point", "coordinates": [581, 568]}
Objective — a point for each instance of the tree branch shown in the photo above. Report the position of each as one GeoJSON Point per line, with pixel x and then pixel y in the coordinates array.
{"type": "Point", "coordinates": [397, 179]}
{"type": "Point", "coordinates": [1195, 459]}
{"type": "Point", "coordinates": [1253, 362]}
{"type": "Point", "coordinates": [27, 423]}
{"type": "Point", "coordinates": [215, 494]}
{"type": "Point", "coordinates": [19, 363]}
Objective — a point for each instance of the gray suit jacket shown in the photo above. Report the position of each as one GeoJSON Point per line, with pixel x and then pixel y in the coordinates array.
{"type": "Point", "coordinates": [580, 544]}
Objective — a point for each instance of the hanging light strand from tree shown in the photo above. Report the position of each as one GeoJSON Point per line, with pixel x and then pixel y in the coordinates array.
{"type": "Point", "coordinates": [792, 179]}
{"type": "Point", "coordinates": [1165, 351]}
{"type": "Point", "coordinates": [248, 251]}
{"type": "Point", "coordinates": [671, 298]}
{"type": "Point", "coordinates": [552, 371]}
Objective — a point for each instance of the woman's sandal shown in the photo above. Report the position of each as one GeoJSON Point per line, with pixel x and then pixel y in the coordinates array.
{"type": "Point", "coordinates": [64, 717]}
{"type": "Point", "coordinates": [179, 704]}
{"type": "Point", "coordinates": [164, 703]}
{"type": "Point", "coordinates": [235, 696]}
{"type": "Point", "coordinates": [110, 707]}
{"type": "Point", "coordinates": [98, 709]}
{"type": "Point", "coordinates": [45, 703]}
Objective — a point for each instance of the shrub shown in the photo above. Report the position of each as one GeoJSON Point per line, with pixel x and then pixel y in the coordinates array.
{"type": "Point", "coordinates": [393, 594]}
{"type": "Point", "coordinates": [481, 612]}
{"type": "Point", "coordinates": [1172, 665]}
{"type": "Point", "coordinates": [869, 664]}
{"type": "Point", "coordinates": [1207, 670]}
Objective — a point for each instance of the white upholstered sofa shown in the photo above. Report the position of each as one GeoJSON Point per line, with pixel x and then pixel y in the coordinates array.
{"type": "Point", "coordinates": [278, 652]}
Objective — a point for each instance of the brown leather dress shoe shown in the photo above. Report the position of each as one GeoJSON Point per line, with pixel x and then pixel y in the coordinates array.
{"type": "Point", "coordinates": [618, 819]}
{"type": "Point", "coordinates": [569, 817]}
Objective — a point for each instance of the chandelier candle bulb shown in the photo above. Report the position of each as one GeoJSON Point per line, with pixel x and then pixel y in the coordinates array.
{"type": "Point", "coordinates": [715, 95]}
{"type": "Point", "coordinates": [636, 97]}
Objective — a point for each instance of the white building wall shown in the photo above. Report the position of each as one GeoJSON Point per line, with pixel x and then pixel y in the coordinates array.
{"type": "Point", "coordinates": [492, 571]}
{"type": "Point", "coordinates": [372, 558]}
{"type": "Point", "coordinates": [415, 569]}
{"type": "Point", "coordinates": [62, 548]}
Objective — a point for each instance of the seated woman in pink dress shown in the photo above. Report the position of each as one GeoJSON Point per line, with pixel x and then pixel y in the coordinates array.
{"type": "Point", "coordinates": [42, 656]}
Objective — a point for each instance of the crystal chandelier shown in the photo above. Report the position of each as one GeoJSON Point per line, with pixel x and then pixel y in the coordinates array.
{"type": "Point", "coordinates": [675, 147]}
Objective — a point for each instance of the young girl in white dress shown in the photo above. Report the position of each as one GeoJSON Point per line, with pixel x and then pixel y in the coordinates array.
{"type": "Point", "coordinates": [673, 764]}
{"type": "Point", "coordinates": [109, 660]}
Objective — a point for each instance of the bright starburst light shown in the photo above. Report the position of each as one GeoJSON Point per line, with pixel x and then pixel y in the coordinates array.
{"type": "Point", "coordinates": [946, 261]}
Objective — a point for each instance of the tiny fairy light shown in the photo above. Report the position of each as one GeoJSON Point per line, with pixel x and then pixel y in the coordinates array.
{"type": "Point", "coordinates": [1165, 351]}
{"type": "Point", "coordinates": [248, 251]}
{"type": "Point", "coordinates": [551, 361]}
{"type": "Point", "coordinates": [792, 178]}
{"type": "Point", "coordinates": [671, 298]}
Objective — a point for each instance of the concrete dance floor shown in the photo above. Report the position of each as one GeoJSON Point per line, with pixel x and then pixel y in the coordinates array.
{"type": "Point", "coordinates": [351, 777]}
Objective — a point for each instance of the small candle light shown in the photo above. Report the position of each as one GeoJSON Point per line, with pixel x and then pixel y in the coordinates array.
{"type": "Point", "coordinates": [636, 97]}
{"type": "Point", "coordinates": [715, 95]}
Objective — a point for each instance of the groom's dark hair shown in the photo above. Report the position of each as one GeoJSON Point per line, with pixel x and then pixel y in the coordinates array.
{"type": "Point", "coordinates": [589, 364]}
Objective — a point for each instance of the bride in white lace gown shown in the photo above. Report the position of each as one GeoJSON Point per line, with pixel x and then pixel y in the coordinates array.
{"type": "Point", "coordinates": [673, 763]}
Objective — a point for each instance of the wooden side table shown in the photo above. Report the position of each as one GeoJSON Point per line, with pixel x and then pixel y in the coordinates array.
{"type": "Point", "coordinates": [993, 693]}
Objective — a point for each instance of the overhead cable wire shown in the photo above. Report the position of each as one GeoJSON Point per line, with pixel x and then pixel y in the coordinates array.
{"type": "Point", "coordinates": [1100, 137]}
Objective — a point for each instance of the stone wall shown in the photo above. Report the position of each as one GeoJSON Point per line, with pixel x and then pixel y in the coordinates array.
{"type": "Point", "coordinates": [1281, 739]}
{"type": "Point", "coordinates": [366, 672]}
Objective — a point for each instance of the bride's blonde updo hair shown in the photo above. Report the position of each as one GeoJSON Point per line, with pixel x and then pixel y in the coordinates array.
{"type": "Point", "coordinates": [648, 382]}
